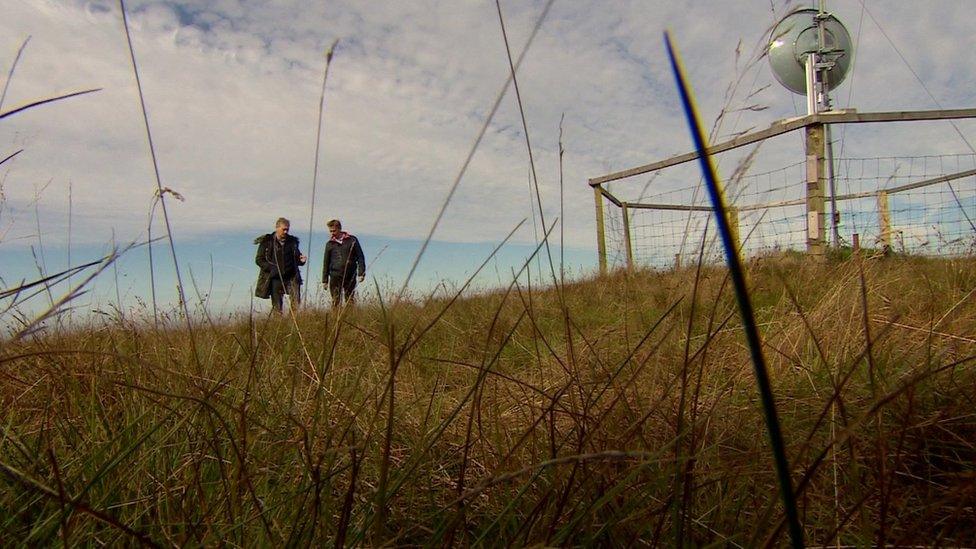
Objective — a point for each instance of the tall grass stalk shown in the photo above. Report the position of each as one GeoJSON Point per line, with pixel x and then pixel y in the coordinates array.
{"type": "Point", "coordinates": [315, 170]}
{"type": "Point", "coordinates": [525, 127]}
{"type": "Point", "coordinates": [69, 235]}
{"type": "Point", "coordinates": [742, 294]}
{"type": "Point", "coordinates": [38, 103]}
{"type": "Point", "coordinates": [474, 148]}
{"type": "Point", "coordinates": [11, 156]}
{"type": "Point", "coordinates": [159, 184]}
{"type": "Point", "coordinates": [13, 68]}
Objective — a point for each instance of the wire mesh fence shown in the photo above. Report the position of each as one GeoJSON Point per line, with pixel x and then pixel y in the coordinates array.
{"type": "Point", "coordinates": [923, 205]}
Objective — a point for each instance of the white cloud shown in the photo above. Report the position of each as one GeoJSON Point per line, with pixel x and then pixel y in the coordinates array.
{"type": "Point", "coordinates": [232, 90]}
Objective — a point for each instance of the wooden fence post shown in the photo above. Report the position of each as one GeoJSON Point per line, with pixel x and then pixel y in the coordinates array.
{"type": "Point", "coordinates": [816, 228]}
{"type": "Point", "coordinates": [628, 246]}
{"type": "Point", "coordinates": [601, 241]}
{"type": "Point", "coordinates": [884, 221]}
{"type": "Point", "coordinates": [734, 227]}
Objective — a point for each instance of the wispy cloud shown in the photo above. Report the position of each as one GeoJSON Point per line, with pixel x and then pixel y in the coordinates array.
{"type": "Point", "coordinates": [232, 90]}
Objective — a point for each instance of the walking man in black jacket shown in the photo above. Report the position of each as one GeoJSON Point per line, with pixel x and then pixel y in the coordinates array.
{"type": "Point", "coordinates": [279, 259]}
{"type": "Point", "coordinates": [344, 264]}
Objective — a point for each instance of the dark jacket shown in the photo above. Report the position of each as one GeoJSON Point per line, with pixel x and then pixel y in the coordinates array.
{"type": "Point", "coordinates": [276, 260]}
{"type": "Point", "coordinates": [343, 260]}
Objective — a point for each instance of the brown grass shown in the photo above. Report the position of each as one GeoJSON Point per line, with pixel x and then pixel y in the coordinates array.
{"type": "Point", "coordinates": [515, 419]}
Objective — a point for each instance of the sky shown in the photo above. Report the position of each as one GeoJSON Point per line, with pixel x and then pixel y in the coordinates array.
{"type": "Point", "coordinates": [232, 92]}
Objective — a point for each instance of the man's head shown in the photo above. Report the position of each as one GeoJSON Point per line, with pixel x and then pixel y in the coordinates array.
{"type": "Point", "coordinates": [281, 228]}
{"type": "Point", "coordinates": [334, 226]}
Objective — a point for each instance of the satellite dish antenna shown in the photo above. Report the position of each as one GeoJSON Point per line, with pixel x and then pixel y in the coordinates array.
{"type": "Point", "coordinates": [810, 53]}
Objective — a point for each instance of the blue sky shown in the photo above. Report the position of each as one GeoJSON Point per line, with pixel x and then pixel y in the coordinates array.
{"type": "Point", "coordinates": [232, 89]}
{"type": "Point", "coordinates": [222, 274]}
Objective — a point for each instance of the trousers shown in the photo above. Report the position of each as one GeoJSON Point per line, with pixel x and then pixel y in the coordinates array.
{"type": "Point", "coordinates": [339, 285]}
{"type": "Point", "coordinates": [278, 290]}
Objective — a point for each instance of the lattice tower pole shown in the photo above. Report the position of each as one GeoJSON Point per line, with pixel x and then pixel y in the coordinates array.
{"type": "Point", "coordinates": [817, 101]}
{"type": "Point", "coordinates": [825, 64]}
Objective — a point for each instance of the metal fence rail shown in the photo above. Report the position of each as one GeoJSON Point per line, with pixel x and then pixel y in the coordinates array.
{"type": "Point", "coordinates": [920, 205]}
{"type": "Point", "coordinates": [923, 204]}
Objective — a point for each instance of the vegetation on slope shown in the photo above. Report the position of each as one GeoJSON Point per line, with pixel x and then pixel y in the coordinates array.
{"type": "Point", "coordinates": [618, 410]}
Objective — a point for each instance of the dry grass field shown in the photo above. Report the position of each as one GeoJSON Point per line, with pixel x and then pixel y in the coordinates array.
{"type": "Point", "coordinates": [616, 411]}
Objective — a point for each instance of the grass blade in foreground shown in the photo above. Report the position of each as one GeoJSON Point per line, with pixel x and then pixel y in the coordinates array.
{"type": "Point", "coordinates": [315, 170]}
{"type": "Point", "coordinates": [742, 296]}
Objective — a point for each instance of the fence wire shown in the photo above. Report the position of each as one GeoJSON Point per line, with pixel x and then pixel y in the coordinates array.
{"type": "Point", "coordinates": [935, 219]}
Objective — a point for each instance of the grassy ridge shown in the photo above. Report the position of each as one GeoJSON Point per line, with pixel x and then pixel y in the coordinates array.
{"type": "Point", "coordinates": [621, 410]}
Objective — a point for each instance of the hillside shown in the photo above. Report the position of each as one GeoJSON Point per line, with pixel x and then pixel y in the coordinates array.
{"type": "Point", "coordinates": [620, 411]}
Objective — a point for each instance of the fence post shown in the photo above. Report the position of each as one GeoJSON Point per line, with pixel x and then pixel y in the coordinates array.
{"type": "Point", "coordinates": [627, 244]}
{"type": "Point", "coordinates": [884, 221]}
{"type": "Point", "coordinates": [601, 242]}
{"type": "Point", "coordinates": [734, 227]}
{"type": "Point", "coordinates": [816, 228]}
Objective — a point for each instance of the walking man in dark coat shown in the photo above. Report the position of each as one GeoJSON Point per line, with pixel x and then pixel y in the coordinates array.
{"type": "Point", "coordinates": [344, 264]}
{"type": "Point", "coordinates": [279, 260]}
